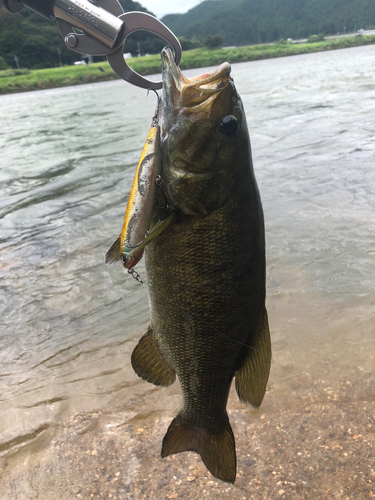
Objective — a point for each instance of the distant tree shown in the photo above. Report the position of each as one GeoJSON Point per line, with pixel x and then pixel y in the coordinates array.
{"type": "Point", "coordinates": [315, 38]}
{"type": "Point", "coordinates": [196, 43]}
{"type": "Point", "coordinates": [213, 42]}
{"type": "Point", "coordinates": [282, 41]}
{"type": "Point", "coordinates": [33, 39]}
{"type": "Point", "coordinates": [329, 28]}
{"type": "Point", "coordinates": [3, 64]}
{"type": "Point", "coordinates": [189, 44]}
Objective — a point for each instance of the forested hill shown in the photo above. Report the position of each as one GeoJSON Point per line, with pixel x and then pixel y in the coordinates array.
{"type": "Point", "coordinates": [37, 43]}
{"type": "Point", "coordinates": [241, 22]}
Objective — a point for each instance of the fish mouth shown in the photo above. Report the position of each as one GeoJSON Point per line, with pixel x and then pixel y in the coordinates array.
{"type": "Point", "coordinates": [197, 93]}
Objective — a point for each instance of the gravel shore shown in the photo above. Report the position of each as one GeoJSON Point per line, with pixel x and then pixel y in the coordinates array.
{"type": "Point", "coordinates": [303, 446]}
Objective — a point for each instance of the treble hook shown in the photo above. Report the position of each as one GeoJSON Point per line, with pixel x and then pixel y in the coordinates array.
{"type": "Point", "coordinates": [155, 117]}
{"type": "Point", "coordinates": [168, 206]}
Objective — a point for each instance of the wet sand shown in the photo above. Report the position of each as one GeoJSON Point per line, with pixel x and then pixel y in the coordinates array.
{"type": "Point", "coordinates": [302, 444]}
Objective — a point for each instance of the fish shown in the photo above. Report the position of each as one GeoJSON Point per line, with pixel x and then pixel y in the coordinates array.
{"type": "Point", "coordinates": [206, 267]}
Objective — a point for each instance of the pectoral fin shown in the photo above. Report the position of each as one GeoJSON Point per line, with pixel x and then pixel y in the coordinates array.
{"type": "Point", "coordinates": [149, 364]}
{"type": "Point", "coordinates": [252, 377]}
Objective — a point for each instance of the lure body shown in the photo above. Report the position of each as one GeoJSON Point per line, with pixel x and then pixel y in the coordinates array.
{"type": "Point", "coordinates": [142, 199]}
{"type": "Point", "coordinates": [136, 231]}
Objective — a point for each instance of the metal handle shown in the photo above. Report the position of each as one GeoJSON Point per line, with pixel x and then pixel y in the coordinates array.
{"type": "Point", "coordinates": [92, 19]}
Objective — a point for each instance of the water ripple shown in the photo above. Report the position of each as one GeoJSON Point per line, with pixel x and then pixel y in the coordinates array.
{"type": "Point", "coordinates": [68, 323]}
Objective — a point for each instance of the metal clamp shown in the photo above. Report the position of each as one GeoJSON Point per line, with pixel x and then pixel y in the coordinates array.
{"type": "Point", "coordinates": [141, 21]}
{"type": "Point", "coordinates": [119, 27]}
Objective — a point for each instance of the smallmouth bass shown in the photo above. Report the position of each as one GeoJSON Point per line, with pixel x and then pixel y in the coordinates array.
{"type": "Point", "coordinates": [206, 268]}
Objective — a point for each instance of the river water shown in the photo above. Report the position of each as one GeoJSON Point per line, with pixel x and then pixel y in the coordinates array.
{"type": "Point", "coordinates": [68, 322]}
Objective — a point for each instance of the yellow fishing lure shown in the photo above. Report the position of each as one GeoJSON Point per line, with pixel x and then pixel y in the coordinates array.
{"type": "Point", "coordinates": [136, 233]}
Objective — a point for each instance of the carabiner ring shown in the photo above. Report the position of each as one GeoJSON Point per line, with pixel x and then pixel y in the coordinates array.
{"type": "Point", "coordinates": [135, 21]}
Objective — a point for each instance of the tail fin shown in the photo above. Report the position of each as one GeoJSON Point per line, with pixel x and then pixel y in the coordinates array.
{"type": "Point", "coordinates": [217, 451]}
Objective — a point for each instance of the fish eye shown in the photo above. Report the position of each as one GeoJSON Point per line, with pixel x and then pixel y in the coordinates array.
{"type": "Point", "coordinates": [229, 126]}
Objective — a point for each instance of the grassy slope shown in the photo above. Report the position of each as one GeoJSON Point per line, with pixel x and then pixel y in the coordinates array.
{"type": "Point", "coordinates": [11, 81]}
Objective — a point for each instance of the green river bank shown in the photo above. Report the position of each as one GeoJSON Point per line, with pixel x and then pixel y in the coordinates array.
{"type": "Point", "coordinates": [24, 80]}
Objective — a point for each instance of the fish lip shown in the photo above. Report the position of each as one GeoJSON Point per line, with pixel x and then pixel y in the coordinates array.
{"type": "Point", "coordinates": [171, 72]}
{"type": "Point", "coordinates": [194, 92]}
{"type": "Point", "coordinates": [215, 75]}
{"type": "Point", "coordinates": [169, 66]}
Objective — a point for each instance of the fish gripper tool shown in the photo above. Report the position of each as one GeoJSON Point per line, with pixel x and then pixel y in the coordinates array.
{"type": "Point", "coordinates": [100, 28]}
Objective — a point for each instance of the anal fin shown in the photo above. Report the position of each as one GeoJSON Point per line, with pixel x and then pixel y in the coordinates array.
{"type": "Point", "coordinates": [252, 377]}
{"type": "Point", "coordinates": [217, 451]}
{"type": "Point", "coordinates": [149, 364]}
